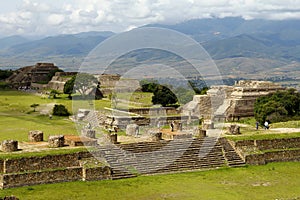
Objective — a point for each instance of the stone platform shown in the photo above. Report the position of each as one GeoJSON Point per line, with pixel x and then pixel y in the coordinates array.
{"type": "Point", "coordinates": [169, 135]}
{"type": "Point", "coordinates": [75, 140]}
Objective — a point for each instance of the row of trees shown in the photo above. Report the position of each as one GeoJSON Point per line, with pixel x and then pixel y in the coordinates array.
{"type": "Point", "coordinates": [279, 106]}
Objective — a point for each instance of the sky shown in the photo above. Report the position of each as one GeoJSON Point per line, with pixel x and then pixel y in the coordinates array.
{"type": "Point", "coordinates": [53, 17]}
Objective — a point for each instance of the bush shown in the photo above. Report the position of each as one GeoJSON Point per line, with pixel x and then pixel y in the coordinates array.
{"type": "Point", "coordinates": [60, 110]}
{"type": "Point", "coordinates": [277, 107]}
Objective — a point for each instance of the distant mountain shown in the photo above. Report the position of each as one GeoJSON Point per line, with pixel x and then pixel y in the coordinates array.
{"type": "Point", "coordinates": [62, 45]}
{"type": "Point", "coordinates": [12, 40]}
{"type": "Point", "coordinates": [239, 47]}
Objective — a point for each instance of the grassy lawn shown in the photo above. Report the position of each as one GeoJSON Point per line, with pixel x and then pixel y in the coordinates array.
{"type": "Point", "coordinates": [271, 181]}
{"type": "Point", "coordinates": [248, 132]}
{"type": "Point", "coordinates": [17, 117]}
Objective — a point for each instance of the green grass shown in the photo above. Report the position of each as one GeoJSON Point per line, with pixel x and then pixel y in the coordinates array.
{"type": "Point", "coordinates": [16, 126]}
{"type": "Point", "coordinates": [258, 136]}
{"type": "Point", "coordinates": [271, 181]}
{"type": "Point", "coordinates": [250, 133]}
{"type": "Point", "coordinates": [56, 151]}
{"type": "Point", "coordinates": [17, 117]}
{"type": "Point", "coordinates": [137, 99]}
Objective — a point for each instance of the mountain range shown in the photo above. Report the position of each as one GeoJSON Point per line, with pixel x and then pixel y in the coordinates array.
{"type": "Point", "coordinates": [262, 48]}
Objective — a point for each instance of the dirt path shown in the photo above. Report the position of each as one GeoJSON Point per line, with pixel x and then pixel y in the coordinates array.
{"type": "Point", "coordinates": [45, 109]}
{"type": "Point", "coordinates": [286, 130]}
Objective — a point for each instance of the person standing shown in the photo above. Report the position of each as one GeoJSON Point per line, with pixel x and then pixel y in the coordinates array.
{"type": "Point", "coordinates": [266, 125]}
{"type": "Point", "coordinates": [256, 125]}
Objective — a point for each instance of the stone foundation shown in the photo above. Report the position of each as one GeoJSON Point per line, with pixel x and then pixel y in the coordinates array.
{"type": "Point", "coordinates": [113, 138]}
{"type": "Point", "coordinates": [34, 178]}
{"type": "Point", "coordinates": [9, 145]}
{"type": "Point", "coordinates": [234, 129]}
{"type": "Point", "coordinates": [35, 136]}
{"type": "Point", "coordinates": [56, 141]}
{"type": "Point", "coordinates": [276, 156]}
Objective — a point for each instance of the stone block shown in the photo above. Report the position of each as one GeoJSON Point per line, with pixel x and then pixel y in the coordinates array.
{"type": "Point", "coordinates": [113, 138]}
{"type": "Point", "coordinates": [155, 136]}
{"type": "Point", "coordinates": [132, 129]}
{"type": "Point", "coordinates": [234, 129]}
{"type": "Point", "coordinates": [55, 141]}
{"type": "Point", "coordinates": [199, 133]}
{"type": "Point", "coordinates": [90, 133]}
{"type": "Point", "coordinates": [35, 136]}
{"type": "Point", "coordinates": [9, 146]}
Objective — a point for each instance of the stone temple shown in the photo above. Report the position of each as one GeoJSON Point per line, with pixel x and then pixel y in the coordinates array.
{"type": "Point", "coordinates": [230, 102]}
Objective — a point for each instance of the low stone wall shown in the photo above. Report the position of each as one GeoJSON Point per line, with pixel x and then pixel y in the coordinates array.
{"type": "Point", "coordinates": [63, 175]}
{"type": "Point", "coordinates": [154, 111]}
{"type": "Point", "coordinates": [284, 143]}
{"type": "Point", "coordinates": [276, 156]}
{"type": "Point", "coordinates": [1, 166]}
{"type": "Point", "coordinates": [97, 173]}
{"type": "Point", "coordinates": [42, 163]}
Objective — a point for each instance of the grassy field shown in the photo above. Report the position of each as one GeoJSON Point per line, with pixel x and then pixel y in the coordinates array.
{"type": "Point", "coordinates": [271, 181]}
{"type": "Point", "coordinates": [248, 131]}
{"type": "Point", "coordinates": [17, 118]}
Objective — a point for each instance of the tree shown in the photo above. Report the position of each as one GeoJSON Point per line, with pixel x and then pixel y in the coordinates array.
{"type": "Point", "coordinates": [5, 74]}
{"type": "Point", "coordinates": [85, 83]}
{"type": "Point", "coordinates": [279, 106]}
{"type": "Point", "coordinates": [69, 87]}
{"type": "Point", "coordinates": [60, 110]}
{"type": "Point", "coordinates": [34, 106]}
{"type": "Point", "coordinates": [54, 93]}
{"type": "Point", "coordinates": [164, 96]}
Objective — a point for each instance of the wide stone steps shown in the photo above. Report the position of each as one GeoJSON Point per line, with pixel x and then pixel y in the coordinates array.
{"type": "Point", "coordinates": [165, 156]}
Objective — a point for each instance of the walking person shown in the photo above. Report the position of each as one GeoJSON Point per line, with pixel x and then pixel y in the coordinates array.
{"type": "Point", "coordinates": [256, 125]}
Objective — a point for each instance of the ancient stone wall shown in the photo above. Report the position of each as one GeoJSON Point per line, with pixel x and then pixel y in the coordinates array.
{"type": "Point", "coordinates": [283, 143]}
{"type": "Point", "coordinates": [54, 176]}
{"type": "Point", "coordinates": [58, 83]}
{"type": "Point", "coordinates": [1, 166]}
{"type": "Point", "coordinates": [49, 169]}
{"type": "Point", "coordinates": [154, 111]}
{"type": "Point", "coordinates": [45, 162]}
{"type": "Point", "coordinates": [97, 173]}
{"type": "Point", "coordinates": [275, 156]}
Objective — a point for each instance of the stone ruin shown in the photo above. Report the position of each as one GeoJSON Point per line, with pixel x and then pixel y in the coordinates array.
{"type": "Point", "coordinates": [26, 76]}
{"type": "Point", "coordinates": [35, 136]}
{"type": "Point", "coordinates": [59, 79]}
{"type": "Point", "coordinates": [9, 146]}
{"type": "Point", "coordinates": [234, 129]}
{"type": "Point", "coordinates": [56, 141]}
{"type": "Point", "coordinates": [230, 102]}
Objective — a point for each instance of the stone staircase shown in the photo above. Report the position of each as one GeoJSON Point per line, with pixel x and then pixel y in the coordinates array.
{"type": "Point", "coordinates": [232, 157]}
{"type": "Point", "coordinates": [128, 160]}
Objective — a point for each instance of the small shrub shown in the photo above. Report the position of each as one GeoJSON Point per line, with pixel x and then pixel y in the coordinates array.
{"type": "Point", "coordinates": [60, 110]}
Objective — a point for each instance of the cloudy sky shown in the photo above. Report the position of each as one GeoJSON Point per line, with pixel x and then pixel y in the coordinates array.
{"type": "Point", "coordinates": [51, 17]}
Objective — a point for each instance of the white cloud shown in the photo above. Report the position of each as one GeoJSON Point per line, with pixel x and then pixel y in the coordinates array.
{"type": "Point", "coordinates": [69, 16]}
{"type": "Point", "coordinates": [55, 19]}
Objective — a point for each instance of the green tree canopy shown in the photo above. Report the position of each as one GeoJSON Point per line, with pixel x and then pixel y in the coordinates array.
{"type": "Point", "coordinates": [60, 110]}
{"type": "Point", "coordinates": [278, 106]}
{"type": "Point", "coordinates": [69, 87]}
{"type": "Point", "coordinates": [164, 96]}
{"type": "Point", "coordinates": [85, 83]}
